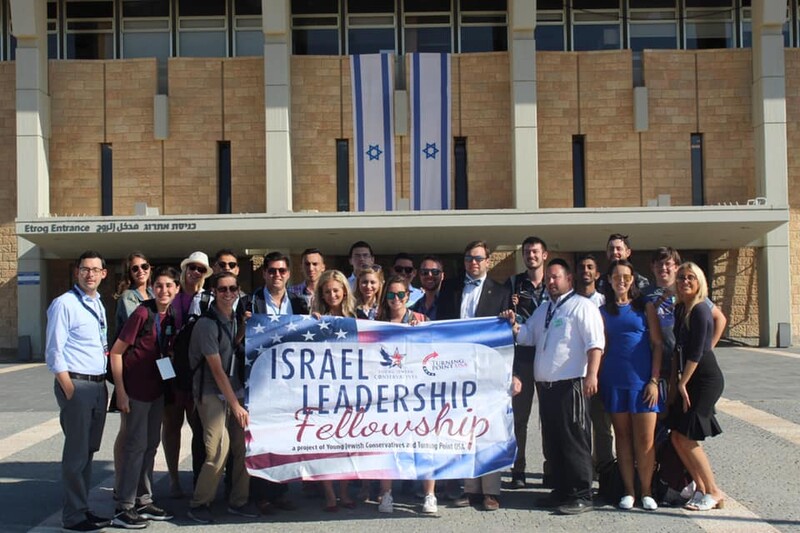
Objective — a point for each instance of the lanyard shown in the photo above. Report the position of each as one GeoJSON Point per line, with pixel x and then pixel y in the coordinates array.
{"type": "Point", "coordinates": [551, 311]}
{"type": "Point", "coordinates": [101, 321]}
{"type": "Point", "coordinates": [164, 336]}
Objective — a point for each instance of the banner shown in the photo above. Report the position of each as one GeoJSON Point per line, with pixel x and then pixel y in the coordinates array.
{"type": "Point", "coordinates": [372, 78]}
{"type": "Point", "coordinates": [339, 398]}
{"type": "Point", "coordinates": [430, 131]}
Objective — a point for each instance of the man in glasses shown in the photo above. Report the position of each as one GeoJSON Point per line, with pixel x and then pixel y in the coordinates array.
{"type": "Point", "coordinates": [273, 298]}
{"type": "Point", "coordinates": [313, 267]}
{"type": "Point", "coordinates": [474, 294]}
{"type": "Point", "coordinates": [431, 276]}
{"type": "Point", "coordinates": [527, 292]}
{"type": "Point", "coordinates": [403, 265]}
{"type": "Point", "coordinates": [75, 350]}
{"type": "Point", "coordinates": [360, 258]}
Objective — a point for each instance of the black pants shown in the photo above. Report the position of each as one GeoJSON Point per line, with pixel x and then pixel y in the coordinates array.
{"type": "Point", "coordinates": [567, 437]}
{"type": "Point", "coordinates": [523, 402]}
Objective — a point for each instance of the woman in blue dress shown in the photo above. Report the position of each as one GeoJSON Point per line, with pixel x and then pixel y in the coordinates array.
{"type": "Point", "coordinates": [628, 379]}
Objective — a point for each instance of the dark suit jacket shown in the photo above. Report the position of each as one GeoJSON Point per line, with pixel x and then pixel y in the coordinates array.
{"type": "Point", "coordinates": [298, 303]}
{"type": "Point", "coordinates": [495, 297]}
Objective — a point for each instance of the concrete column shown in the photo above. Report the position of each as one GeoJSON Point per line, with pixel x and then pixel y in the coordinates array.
{"type": "Point", "coordinates": [29, 22]}
{"type": "Point", "coordinates": [277, 51]}
{"type": "Point", "coordinates": [769, 136]}
{"type": "Point", "coordinates": [523, 94]}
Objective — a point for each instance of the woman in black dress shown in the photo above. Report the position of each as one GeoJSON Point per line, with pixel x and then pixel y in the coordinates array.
{"type": "Point", "coordinates": [700, 385]}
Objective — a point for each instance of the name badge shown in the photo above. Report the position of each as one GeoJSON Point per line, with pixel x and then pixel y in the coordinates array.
{"type": "Point", "coordinates": [165, 368]}
{"type": "Point", "coordinates": [558, 322]}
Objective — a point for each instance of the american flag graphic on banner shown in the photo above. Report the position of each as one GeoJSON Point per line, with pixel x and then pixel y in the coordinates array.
{"type": "Point", "coordinates": [339, 398]}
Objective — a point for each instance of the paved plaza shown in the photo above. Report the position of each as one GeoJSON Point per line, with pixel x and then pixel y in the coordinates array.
{"type": "Point", "coordinates": [756, 460]}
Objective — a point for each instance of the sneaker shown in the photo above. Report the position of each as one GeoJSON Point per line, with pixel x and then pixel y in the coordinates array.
{"type": "Point", "coordinates": [247, 510]}
{"type": "Point", "coordinates": [151, 512]}
{"type": "Point", "coordinates": [626, 503]}
{"type": "Point", "coordinates": [99, 521]}
{"type": "Point", "coordinates": [649, 504]}
{"type": "Point", "coordinates": [430, 505]}
{"type": "Point", "coordinates": [517, 480]}
{"type": "Point", "coordinates": [387, 503]}
{"type": "Point", "coordinates": [85, 525]}
{"type": "Point", "coordinates": [201, 515]}
{"type": "Point", "coordinates": [128, 519]}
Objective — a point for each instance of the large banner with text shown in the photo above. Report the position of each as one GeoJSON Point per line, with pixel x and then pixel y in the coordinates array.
{"type": "Point", "coordinates": [339, 398]}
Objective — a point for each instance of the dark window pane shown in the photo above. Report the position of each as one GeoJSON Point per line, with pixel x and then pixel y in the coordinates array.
{"type": "Point", "coordinates": [314, 7]}
{"type": "Point", "coordinates": [461, 181]}
{"type": "Point", "coordinates": [652, 4]}
{"type": "Point", "coordinates": [12, 48]}
{"type": "Point", "coordinates": [249, 43]}
{"type": "Point", "coordinates": [315, 42]}
{"type": "Point", "coordinates": [710, 35]}
{"type": "Point", "coordinates": [442, 19]}
{"type": "Point", "coordinates": [654, 36]}
{"type": "Point", "coordinates": [550, 38]}
{"type": "Point", "coordinates": [145, 44]}
{"type": "Point", "coordinates": [224, 177]}
{"type": "Point", "coordinates": [107, 179]}
{"type": "Point", "coordinates": [90, 9]}
{"type": "Point", "coordinates": [697, 169]}
{"type": "Point", "coordinates": [145, 8]}
{"type": "Point", "coordinates": [428, 40]}
{"type": "Point", "coordinates": [578, 171]}
{"type": "Point", "coordinates": [542, 5]}
{"type": "Point", "coordinates": [709, 3]}
{"type": "Point", "coordinates": [484, 5]}
{"type": "Point", "coordinates": [370, 40]}
{"type": "Point", "coordinates": [342, 175]}
{"type": "Point", "coordinates": [202, 43]}
{"type": "Point", "coordinates": [52, 10]}
{"type": "Point", "coordinates": [299, 22]}
{"type": "Point", "coordinates": [595, 4]}
{"type": "Point", "coordinates": [411, 6]}
{"type": "Point", "coordinates": [247, 7]}
{"type": "Point", "coordinates": [484, 39]}
{"type": "Point", "coordinates": [596, 37]}
{"type": "Point", "coordinates": [90, 46]}
{"type": "Point", "coordinates": [370, 6]}
{"type": "Point", "coordinates": [52, 46]}
{"type": "Point", "coordinates": [201, 8]}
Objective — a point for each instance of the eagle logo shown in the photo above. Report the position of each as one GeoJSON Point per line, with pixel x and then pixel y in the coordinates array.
{"type": "Point", "coordinates": [392, 360]}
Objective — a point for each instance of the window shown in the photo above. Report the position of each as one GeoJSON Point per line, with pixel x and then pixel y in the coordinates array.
{"type": "Point", "coordinates": [248, 36]}
{"type": "Point", "coordinates": [315, 27]}
{"type": "Point", "coordinates": [483, 26]}
{"type": "Point", "coordinates": [697, 169]}
{"type": "Point", "coordinates": [342, 175]}
{"type": "Point", "coordinates": [370, 26]}
{"type": "Point", "coordinates": [106, 180]}
{"type": "Point", "coordinates": [202, 28]}
{"type": "Point", "coordinates": [747, 26]}
{"type": "Point", "coordinates": [146, 29]}
{"type": "Point", "coordinates": [709, 24]}
{"type": "Point", "coordinates": [596, 25]}
{"type": "Point", "coordinates": [90, 29]}
{"type": "Point", "coordinates": [52, 31]}
{"type": "Point", "coordinates": [461, 182]}
{"type": "Point", "coordinates": [6, 39]}
{"type": "Point", "coordinates": [578, 171]}
{"type": "Point", "coordinates": [653, 25]}
{"type": "Point", "coordinates": [426, 26]}
{"type": "Point", "coordinates": [224, 177]}
{"type": "Point", "coordinates": [550, 32]}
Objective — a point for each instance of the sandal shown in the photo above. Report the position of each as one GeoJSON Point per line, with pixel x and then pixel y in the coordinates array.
{"type": "Point", "coordinates": [707, 502]}
{"type": "Point", "coordinates": [694, 501]}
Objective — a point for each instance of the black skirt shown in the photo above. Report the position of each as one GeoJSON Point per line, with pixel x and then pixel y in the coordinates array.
{"type": "Point", "coordinates": [704, 388]}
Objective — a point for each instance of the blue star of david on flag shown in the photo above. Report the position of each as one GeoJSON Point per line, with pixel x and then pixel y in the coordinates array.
{"type": "Point", "coordinates": [430, 151]}
{"type": "Point", "coordinates": [374, 152]}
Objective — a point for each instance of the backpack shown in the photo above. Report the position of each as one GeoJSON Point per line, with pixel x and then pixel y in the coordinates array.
{"type": "Point", "coordinates": [184, 373]}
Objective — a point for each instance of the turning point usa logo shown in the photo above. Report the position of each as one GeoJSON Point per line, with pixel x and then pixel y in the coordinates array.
{"type": "Point", "coordinates": [432, 363]}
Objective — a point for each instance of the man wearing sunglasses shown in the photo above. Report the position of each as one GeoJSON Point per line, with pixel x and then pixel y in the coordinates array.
{"type": "Point", "coordinates": [474, 294]}
{"type": "Point", "coordinates": [527, 293]}
{"type": "Point", "coordinates": [403, 266]}
{"type": "Point", "coordinates": [273, 298]}
{"type": "Point", "coordinates": [431, 276]}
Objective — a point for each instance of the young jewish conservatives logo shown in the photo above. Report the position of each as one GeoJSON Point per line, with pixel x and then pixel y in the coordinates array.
{"type": "Point", "coordinates": [394, 360]}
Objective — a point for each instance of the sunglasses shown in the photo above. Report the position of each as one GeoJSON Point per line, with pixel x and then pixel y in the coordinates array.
{"type": "Point", "coordinates": [475, 258]}
{"type": "Point", "coordinates": [279, 270]}
{"type": "Point", "coordinates": [197, 268]}
{"type": "Point", "coordinates": [392, 295]}
{"type": "Point", "coordinates": [430, 271]}
{"type": "Point", "coordinates": [229, 264]}
{"type": "Point", "coordinates": [403, 270]}
{"type": "Point", "coordinates": [233, 289]}
{"type": "Point", "coordinates": [144, 267]}
{"type": "Point", "coordinates": [689, 278]}
{"type": "Point", "coordinates": [626, 278]}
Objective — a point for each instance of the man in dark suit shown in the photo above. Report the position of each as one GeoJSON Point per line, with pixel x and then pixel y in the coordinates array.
{"type": "Point", "coordinates": [273, 298]}
{"type": "Point", "coordinates": [471, 295]}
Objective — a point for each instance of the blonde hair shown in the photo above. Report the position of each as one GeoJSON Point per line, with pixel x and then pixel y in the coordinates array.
{"type": "Point", "coordinates": [702, 288]}
{"type": "Point", "coordinates": [348, 304]}
{"type": "Point", "coordinates": [360, 297]}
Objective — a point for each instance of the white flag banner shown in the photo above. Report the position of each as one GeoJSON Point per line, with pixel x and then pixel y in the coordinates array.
{"type": "Point", "coordinates": [430, 131]}
{"type": "Point", "coordinates": [373, 131]}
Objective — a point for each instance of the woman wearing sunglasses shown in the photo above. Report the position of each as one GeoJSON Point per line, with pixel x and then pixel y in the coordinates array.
{"type": "Point", "coordinates": [628, 379]}
{"type": "Point", "coordinates": [393, 309]}
{"type": "Point", "coordinates": [700, 384]}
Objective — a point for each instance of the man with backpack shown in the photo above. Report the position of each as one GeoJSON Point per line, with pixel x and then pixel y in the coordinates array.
{"type": "Point", "coordinates": [218, 392]}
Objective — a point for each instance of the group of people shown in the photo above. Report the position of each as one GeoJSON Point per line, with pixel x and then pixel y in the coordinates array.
{"type": "Point", "coordinates": [177, 354]}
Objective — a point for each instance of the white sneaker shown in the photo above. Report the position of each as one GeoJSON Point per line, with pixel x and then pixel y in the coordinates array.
{"type": "Point", "coordinates": [626, 503]}
{"type": "Point", "coordinates": [688, 490]}
{"type": "Point", "coordinates": [649, 504]}
{"type": "Point", "coordinates": [387, 503]}
{"type": "Point", "coordinates": [429, 506]}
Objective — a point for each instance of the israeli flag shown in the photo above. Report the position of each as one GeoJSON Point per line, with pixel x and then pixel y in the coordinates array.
{"type": "Point", "coordinates": [373, 130]}
{"type": "Point", "coordinates": [430, 131]}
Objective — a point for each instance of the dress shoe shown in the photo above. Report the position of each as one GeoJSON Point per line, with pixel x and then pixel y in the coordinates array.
{"type": "Point", "coordinates": [576, 507]}
{"type": "Point", "coordinates": [490, 503]}
{"type": "Point", "coordinates": [517, 480]}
